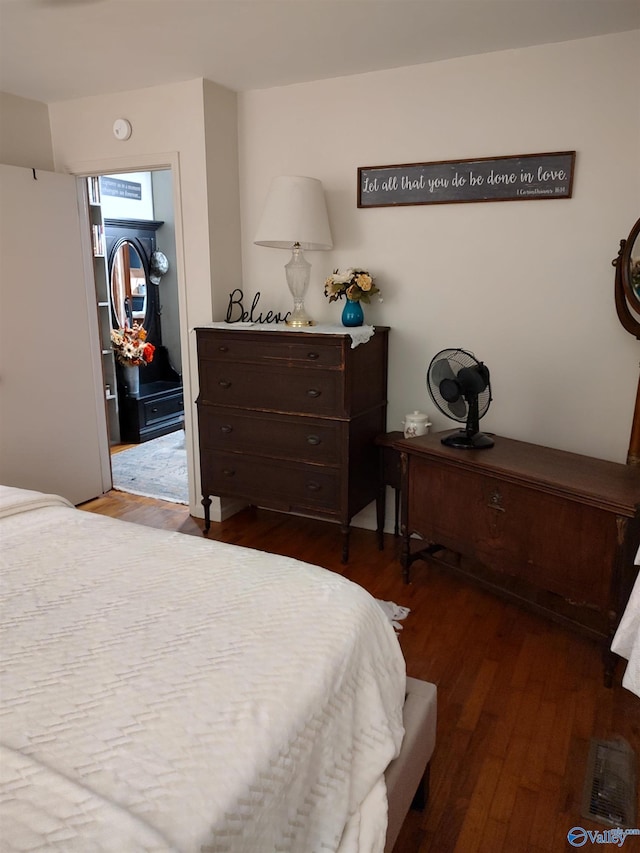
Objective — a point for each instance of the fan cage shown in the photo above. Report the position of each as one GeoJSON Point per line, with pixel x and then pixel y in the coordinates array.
{"type": "Point", "coordinates": [457, 359]}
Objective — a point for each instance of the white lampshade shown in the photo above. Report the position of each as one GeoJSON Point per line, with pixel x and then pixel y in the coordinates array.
{"type": "Point", "coordinates": [295, 212]}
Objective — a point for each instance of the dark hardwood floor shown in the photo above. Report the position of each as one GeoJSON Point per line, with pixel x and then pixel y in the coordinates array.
{"type": "Point", "coordinates": [519, 697]}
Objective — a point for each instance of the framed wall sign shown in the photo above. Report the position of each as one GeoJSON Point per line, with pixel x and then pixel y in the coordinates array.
{"type": "Point", "coordinates": [121, 189]}
{"type": "Point", "coordinates": [521, 177]}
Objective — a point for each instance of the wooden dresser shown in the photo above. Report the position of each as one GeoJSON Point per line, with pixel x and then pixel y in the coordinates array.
{"type": "Point", "coordinates": [556, 530]}
{"type": "Point", "coordinates": [288, 419]}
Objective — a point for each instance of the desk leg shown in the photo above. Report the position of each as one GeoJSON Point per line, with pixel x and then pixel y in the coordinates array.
{"type": "Point", "coordinates": [609, 659]}
{"type": "Point", "coordinates": [397, 508]}
{"type": "Point", "coordinates": [381, 500]}
{"type": "Point", "coordinates": [345, 528]}
{"type": "Point", "coordinates": [622, 580]}
{"type": "Point", "coordinates": [405, 559]}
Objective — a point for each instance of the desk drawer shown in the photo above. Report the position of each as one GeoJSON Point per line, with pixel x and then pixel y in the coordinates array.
{"type": "Point", "coordinates": [264, 434]}
{"type": "Point", "coordinates": [553, 543]}
{"type": "Point", "coordinates": [277, 484]}
{"type": "Point", "coordinates": [273, 388]}
{"type": "Point", "coordinates": [159, 410]}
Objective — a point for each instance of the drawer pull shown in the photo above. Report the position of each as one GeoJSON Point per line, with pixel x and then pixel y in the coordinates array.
{"type": "Point", "coordinates": [228, 472]}
{"type": "Point", "coordinates": [314, 439]}
{"type": "Point", "coordinates": [224, 383]}
{"type": "Point", "coordinates": [313, 392]}
{"type": "Point", "coordinates": [313, 356]}
{"type": "Point", "coordinates": [495, 501]}
{"type": "Point", "coordinates": [313, 486]}
{"type": "Point", "coordinates": [222, 348]}
{"type": "Point", "coordinates": [226, 429]}
{"type": "Point", "coordinates": [154, 410]}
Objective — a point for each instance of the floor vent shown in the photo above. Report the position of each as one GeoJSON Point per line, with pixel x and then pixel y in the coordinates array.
{"type": "Point", "coordinates": [609, 794]}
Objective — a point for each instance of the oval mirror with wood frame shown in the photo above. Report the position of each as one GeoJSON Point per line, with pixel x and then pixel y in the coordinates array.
{"type": "Point", "coordinates": [627, 295]}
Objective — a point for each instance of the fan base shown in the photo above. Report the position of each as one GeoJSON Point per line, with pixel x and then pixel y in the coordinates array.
{"type": "Point", "coordinates": [462, 441]}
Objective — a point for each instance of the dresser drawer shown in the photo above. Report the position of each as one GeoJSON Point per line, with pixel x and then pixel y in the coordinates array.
{"type": "Point", "coordinates": [159, 410]}
{"type": "Point", "coordinates": [274, 388]}
{"type": "Point", "coordinates": [261, 348]}
{"type": "Point", "coordinates": [264, 434]}
{"type": "Point", "coordinates": [277, 484]}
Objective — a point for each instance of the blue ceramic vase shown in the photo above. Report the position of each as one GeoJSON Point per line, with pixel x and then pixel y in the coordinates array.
{"type": "Point", "coordinates": [352, 314]}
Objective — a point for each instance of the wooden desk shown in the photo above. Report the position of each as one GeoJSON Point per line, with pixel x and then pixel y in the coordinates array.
{"type": "Point", "coordinates": [553, 530]}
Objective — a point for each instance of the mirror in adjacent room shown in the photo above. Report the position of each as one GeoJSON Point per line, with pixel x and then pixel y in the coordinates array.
{"type": "Point", "coordinates": [128, 286]}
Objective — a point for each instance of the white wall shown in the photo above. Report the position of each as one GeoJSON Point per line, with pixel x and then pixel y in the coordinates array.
{"type": "Point", "coordinates": [168, 129]}
{"type": "Point", "coordinates": [162, 182]}
{"type": "Point", "coordinates": [223, 190]}
{"type": "Point", "coordinates": [528, 285]}
{"type": "Point", "coordinates": [25, 137]}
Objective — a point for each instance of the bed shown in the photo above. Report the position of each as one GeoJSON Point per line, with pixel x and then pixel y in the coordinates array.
{"type": "Point", "coordinates": [626, 641]}
{"type": "Point", "coordinates": [166, 693]}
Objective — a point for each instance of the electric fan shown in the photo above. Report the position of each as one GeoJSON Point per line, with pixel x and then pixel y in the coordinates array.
{"type": "Point", "coordinates": [459, 386]}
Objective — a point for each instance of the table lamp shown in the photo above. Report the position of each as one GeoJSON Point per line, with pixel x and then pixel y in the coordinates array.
{"type": "Point", "coordinates": [295, 218]}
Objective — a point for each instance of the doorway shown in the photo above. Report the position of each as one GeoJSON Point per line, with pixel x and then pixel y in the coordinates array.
{"type": "Point", "coordinates": [146, 435]}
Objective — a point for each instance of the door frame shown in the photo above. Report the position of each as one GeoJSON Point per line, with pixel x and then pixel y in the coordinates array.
{"type": "Point", "coordinates": [94, 333]}
{"type": "Point", "coordinates": [151, 163]}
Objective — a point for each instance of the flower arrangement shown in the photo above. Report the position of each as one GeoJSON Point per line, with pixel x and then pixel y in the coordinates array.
{"type": "Point", "coordinates": [356, 284]}
{"type": "Point", "coordinates": [131, 346]}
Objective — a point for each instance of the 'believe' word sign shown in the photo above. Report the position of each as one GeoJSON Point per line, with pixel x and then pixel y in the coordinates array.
{"type": "Point", "coordinates": [522, 177]}
{"type": "Point", "coordinates": [237, 314]}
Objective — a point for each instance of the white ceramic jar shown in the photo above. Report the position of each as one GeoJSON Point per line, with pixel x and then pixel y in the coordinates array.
{"type": "Point", "coordinates": [416, 423]}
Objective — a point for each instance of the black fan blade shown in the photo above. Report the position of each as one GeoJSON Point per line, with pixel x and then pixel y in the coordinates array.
{"type": "Point", "coordinates": [450, 390]}
{"type": "Point", "coordinates": [458, 407]}
{"type": "Point", "coordinates": [442, 370]}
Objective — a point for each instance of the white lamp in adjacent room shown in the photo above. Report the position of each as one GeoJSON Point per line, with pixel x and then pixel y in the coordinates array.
{"type": "Point", "coordinates": [295, 218]}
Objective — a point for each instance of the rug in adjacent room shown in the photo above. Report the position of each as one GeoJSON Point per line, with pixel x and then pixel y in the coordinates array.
{"type": "Point", "coordinates": [154, 469]}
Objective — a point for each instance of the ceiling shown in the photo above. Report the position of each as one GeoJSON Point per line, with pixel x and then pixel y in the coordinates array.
{"type": "Point", "coordinates": [52, 50]}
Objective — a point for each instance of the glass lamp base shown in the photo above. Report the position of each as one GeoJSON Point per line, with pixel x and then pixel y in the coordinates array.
{"type": "Point", "coordinates": [298, 270]}
{"type": "Point", "coordinates": [299, 323]}
{"type": "Point", "coordinates": [298, 317]}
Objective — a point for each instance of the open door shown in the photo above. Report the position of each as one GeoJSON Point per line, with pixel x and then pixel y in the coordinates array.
{"type": "Point", "coordinates": [53, 433]}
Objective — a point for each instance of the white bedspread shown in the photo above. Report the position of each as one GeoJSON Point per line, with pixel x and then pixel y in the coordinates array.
{"type": "Point", "coordinates": [626, 641]}
{"type": "Point", "coordinates": [164, 692]}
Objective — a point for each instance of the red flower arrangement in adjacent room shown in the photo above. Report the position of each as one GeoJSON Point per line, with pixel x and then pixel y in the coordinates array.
{"type": "Point", "coordinates": [131, 346]}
